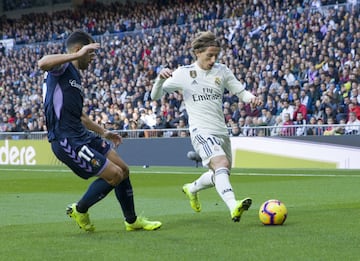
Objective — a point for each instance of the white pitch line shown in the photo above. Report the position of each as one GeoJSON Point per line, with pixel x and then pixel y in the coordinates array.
{"type": "Point", "coordinates": [37, 170]}
{"type": "Point", "coordinates": [259, 174]}
{"type": "Point", "coordinates": [194, 173]}
{"type": "Point", "coordinates": [295, 175]}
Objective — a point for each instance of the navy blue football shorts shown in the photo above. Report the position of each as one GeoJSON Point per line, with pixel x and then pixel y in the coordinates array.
{"type": "Point", "coordinates": [84, 159]}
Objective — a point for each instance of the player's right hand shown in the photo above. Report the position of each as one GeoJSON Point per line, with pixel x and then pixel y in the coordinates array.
{"type": "Point", "coordinates": [165, 73]}
{"type": "Point", "coordinates": [256, 101]}
{"type": "Point", "coordinates": [88, 49]}
{"type": "Point", "coordinates": [113, 136]}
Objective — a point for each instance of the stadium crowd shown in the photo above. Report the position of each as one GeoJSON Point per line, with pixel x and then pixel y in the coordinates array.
{"type": "Point", "coordinates": [301, 57]}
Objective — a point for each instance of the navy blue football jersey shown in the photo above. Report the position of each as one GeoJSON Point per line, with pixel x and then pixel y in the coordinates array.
{"type": "Point", "coordinates": [64, 104]}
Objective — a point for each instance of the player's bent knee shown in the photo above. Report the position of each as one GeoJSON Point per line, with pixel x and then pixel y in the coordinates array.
{"type": "Point", "coordinates": [113, 174]}
{"type": "Point", "coordinates": [220, 162]}
{"type": "Point", "coordinates": [119, 175]}
{"type": "Point", "coordinates": [126, 172]}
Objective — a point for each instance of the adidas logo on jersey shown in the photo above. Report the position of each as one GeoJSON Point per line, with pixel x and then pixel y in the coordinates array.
{"type": "Point", "coordinates": [194, 82]}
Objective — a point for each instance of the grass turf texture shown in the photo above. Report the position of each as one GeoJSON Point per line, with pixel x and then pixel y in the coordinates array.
{"type": "Point", "coordinates": [322, 224]}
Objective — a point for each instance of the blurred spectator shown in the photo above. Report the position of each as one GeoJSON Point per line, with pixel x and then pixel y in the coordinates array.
{"type": "Point", "coordinates": [289, 77]}
{"type": "Point", "coordinates": [287, 126]}
{"type": "Point", "coordinates": [133, 130]}
{"type": "Point", "coordinates": [312, 128]}
{"type": "Point", "coordinates": [183, 134]}
{"type": "Point", "coordinates": [318, 113]}
{"type": "Point", "coordinates": [235, 130]}
{"type": "Point", "coordinates": [299, 108]}
{"type": "Point", "coordinates": [181, 125]}
{"type": "Point", "coordinates": [353, 107]}
{"type": "Point", "coordinates": [300, 123]}
{"type": "Point", "coordinates": [320, 128]}
{"type": "Point", "coordinates": [159, 125]}
{"type": "Point", "coordinates": [352, 125]}
{"type": "Point", "coordinates": [333, 129]}
{"type": "Point", "coordinates": [277, 127]}
{"type": "Point", "coordinates": [287, 110]}
{"type": "Point", "coordinates": [269, 119]}
{"type": "Point", "coordinates": [241, 122]}
{"type": "Point", "coordinates": [328, 114]}
{"type": "Point", "coordinates": [247, 129]}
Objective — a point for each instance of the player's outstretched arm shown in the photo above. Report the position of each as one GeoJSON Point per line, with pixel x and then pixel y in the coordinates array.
{"type": "Point", "coordinates": [248, 97]}
{"type": "Point", "coordinates": [156, 91]}
{"type": "Point", "coordinates": [48, 62]}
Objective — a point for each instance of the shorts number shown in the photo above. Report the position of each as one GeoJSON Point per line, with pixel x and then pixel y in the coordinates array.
{"type": "Point", "coordinates": [85, 153]}
{"type": "Point", "coordinates": [213, 141]}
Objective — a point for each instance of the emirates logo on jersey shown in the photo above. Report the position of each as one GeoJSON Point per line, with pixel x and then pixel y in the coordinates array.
{"type": "Point", "coordinates": [217, 81]}
{"type": "Point", "coordinates": [73, 83]}
{"type": "Point", "coordinates": [193, 74]}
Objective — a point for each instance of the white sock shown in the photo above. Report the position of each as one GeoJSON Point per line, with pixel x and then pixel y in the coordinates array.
{"type": "Point", "coordinates": [206, 180]}
{"type": "Point", "coordinates": [224, 188]}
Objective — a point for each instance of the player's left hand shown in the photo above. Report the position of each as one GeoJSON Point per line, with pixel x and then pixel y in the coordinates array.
{"type": "Point", "coordinates": [114, 137]}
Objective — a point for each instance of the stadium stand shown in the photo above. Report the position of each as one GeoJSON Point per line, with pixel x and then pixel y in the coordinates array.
{"type": "Point", "coordinates": [298, 56]}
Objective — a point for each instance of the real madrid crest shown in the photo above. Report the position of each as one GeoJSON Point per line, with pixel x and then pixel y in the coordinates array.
{"type": "Point", "coordinates": [193, 74]}
{"type": "Point", "coordinates": [217, 81]}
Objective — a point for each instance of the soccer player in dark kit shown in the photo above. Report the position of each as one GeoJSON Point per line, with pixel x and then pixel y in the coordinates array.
{"type": "Point", "coordinates": [79, 142]}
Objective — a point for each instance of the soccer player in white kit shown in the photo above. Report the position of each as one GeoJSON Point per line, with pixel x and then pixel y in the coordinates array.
{"type": "Point", "coordinates": [202, 84]}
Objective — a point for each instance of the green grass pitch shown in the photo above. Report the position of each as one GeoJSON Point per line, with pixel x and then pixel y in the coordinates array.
{"type": "Point", "coordinates": [323, 220]}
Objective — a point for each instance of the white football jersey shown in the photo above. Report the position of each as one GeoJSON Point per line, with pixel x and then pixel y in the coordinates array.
{"type": "Point", "coordinates": [203, 93]}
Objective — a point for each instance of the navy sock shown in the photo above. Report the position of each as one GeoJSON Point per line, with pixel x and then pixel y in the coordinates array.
{"type": "Point", "coordinates": [124, 194]}
{"type": "Point", "coordinates": [96, 192]}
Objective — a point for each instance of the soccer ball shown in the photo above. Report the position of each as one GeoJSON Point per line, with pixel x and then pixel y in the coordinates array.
{"type": "Point", "coordinates": [273, 212]}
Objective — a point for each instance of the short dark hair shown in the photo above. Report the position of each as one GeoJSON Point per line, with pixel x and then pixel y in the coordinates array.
{"type": "Point", "coordinates": [78, 37]}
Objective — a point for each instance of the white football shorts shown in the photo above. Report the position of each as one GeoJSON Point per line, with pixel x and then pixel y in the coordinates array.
{"type": "Point", "coordinates": [209, 146]}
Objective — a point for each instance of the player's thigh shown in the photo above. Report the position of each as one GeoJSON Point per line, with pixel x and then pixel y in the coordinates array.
{"type": "Point", "coordinates": [113, 174]}
{"type": "Point", "coordinates": [226, 146]}
{"type": "Point", "coordinates": [117, 170]}
{"type": "Point", "coordinates": [104, 147]}
{"type": "Point", "coordinates": [117, 160]}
